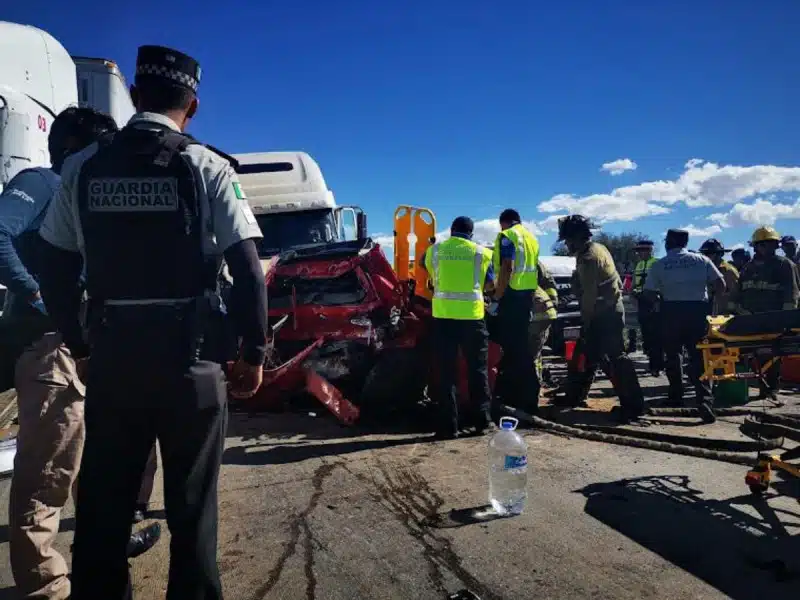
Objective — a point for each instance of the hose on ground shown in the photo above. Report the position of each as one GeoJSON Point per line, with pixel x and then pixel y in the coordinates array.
{"type": "Point", "coordinates": [654, 441]}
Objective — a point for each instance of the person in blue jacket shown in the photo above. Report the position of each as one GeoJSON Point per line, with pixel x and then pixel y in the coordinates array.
{"type": "Point", "coordinates": [23, 204]}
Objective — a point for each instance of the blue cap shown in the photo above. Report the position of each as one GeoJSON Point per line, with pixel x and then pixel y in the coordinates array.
{"type": "Point", "coordinates": [508, 423]}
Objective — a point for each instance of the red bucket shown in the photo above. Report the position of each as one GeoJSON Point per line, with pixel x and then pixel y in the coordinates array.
{"type": "Point", "coordinates": [569, 349]}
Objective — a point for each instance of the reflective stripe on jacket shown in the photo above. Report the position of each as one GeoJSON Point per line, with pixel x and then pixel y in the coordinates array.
{"type": "Point", "coordinates": [545, 297]}
{"type": "Point", "coordinates": [458, 271]}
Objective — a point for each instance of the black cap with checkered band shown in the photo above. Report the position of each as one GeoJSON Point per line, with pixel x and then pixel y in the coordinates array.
{"type": "Point", "coordinates": [169, 65]}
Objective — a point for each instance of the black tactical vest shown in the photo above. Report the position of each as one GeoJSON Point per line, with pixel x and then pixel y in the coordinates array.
{"type": "Point", "coordinates": [140, 216]}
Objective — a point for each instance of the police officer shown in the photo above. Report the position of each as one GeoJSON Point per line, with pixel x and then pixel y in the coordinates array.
{"type": "Point", "coordinates": [151, 210]}
{"type": "Point", "coordinates": [681, 279]}
{"type": "Point", "coordinates": [646, 309]}
{"type": "Point", "coordinates": [50, 395]}
{"type": "Point", "coordinates": [458, 268]}
{"type": "Point", "coordinates": [767, 283]}
{"type": "Point", "coordinates": [739, 258]}
{"type": "Point", "coordinates": [545, 313]}
{"type": "Point", "coordinates": [515, 259]}
{"type": "Point", "coordinates": [721, 303]}
{"type": "Point", "coordinates": [603, 319]}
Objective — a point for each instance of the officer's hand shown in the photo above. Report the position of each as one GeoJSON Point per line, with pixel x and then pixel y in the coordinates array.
{"type": "Point", "coordinates": [244, 380]}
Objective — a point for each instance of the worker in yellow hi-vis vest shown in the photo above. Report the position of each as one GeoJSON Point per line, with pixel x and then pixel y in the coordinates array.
{"type": "Point", "coordinates": [515, 259]}
{"type": "Point", "coordinates": [459, 269]}
{"type": "Point", "coordinates": [647, 308]}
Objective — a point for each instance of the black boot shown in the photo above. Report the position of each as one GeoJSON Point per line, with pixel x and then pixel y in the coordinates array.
{"type": "Point", "coordinates": [143, 540]}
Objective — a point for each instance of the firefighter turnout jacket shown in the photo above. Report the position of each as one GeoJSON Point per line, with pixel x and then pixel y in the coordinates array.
{"type": "Point", "coordinates": [600, 284]}
{"type": "Point", "coordinates": [458, 270]}
{"type": "Point", "coordinates": [723, 304]}
{"type": "Point", "coordinates": [545, 297]}
{"type": "Point", "coordinates": [767, 284]}
{"type": "Point", "coordinates": [526, 257]}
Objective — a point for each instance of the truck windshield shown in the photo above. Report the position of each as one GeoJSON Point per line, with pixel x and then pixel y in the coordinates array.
{"type": "Point", "coordinates": [284, 231]}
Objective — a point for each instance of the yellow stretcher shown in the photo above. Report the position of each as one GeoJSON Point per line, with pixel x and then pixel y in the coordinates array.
{"type": "Point", "coordinates": [757, 341]}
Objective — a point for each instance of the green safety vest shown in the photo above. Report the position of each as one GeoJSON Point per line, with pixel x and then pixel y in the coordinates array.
{"type": "Point", "coordinates": [640, 273]}
{"type": "Point", "coordinates": [525, 275]}
{"type": "Point", "coordinates": [458, 270]}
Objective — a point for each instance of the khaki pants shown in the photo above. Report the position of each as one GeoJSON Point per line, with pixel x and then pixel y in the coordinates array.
{"type": "Point", "coordinates": [537, 337]}
{"type": "Point", "coordinates": [49, 448]}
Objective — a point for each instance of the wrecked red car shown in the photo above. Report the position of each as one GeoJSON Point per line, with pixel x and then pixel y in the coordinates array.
{"type": "Point", "coordinates": [348, 331]}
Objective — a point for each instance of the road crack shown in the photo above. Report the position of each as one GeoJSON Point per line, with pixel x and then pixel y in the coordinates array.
{"type": "Point", "coordinates": [300, 528]}
{"type": "Point", "coordinates": [412, 501]}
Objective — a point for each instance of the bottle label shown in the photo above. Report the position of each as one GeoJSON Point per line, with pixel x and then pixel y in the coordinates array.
{"type": "Point", "coordinates": [515, 462]}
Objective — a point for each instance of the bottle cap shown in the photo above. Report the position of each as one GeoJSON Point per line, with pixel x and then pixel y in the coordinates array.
{"type": "Point", "coordinates": [508, 423]}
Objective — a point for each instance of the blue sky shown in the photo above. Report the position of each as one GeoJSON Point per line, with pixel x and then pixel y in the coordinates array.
{"type": "Point", "coordinates": [469, 107]}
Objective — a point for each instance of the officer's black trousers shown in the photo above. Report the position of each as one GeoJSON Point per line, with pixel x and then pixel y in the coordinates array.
{"type": "Point", "coordinates": [519, 384]}
{"type": "Point", "coordinates": [650, 324]}
{"type": "Point", "coordinates": [128, 406]}
{"type": "Point", "coordinates": [683, 325]}
{"type": "Point", "coordinates": [472, 338]}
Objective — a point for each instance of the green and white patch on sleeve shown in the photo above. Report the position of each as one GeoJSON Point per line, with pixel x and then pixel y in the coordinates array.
{"type": "Point", "coordinates": [239, 191]}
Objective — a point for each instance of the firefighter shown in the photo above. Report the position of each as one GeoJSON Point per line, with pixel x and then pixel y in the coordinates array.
{"type": "Point", "coordinates": [515, 259]}
{"type": "Point", "coordinates": [721, 303]}
{"type": "Point", "coordinates": [603, 319]}
{"type": "Point", "coordinates": [739, 258]}
{"type": "Point", "coordinates": [789, 247]}
{"type": "Point", "coordinates": [545, 312]}
{"type": "Point", "coordinates": [681, 280]}
{"type": "Point", "coordinates": [646, 309]}
{"type": "Point", "coordinates": [767, 283]}
{"type": "Point", "coordinates": [152, 211]}
{"type": "Point", "coordinates": [459, 269]}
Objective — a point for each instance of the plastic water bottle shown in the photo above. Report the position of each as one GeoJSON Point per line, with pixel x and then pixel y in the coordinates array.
{"type": "Point", "coordinates": [508, 469]}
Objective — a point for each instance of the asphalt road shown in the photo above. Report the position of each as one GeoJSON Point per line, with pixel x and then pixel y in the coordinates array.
{"type": "Point", "coordinates": [309, 510]}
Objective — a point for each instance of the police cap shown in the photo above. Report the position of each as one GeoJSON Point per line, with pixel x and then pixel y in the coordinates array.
{"type": "Point", "coordinates": [644, 245]}
{"type": "Point", "coordinates": [680, 236]}
{"type": "Point", "coordinates": [788, 239]}
{"type": "Point", "coordinates": [167, 65]}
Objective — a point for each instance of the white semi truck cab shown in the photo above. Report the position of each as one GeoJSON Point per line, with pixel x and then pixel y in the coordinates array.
{"type": "Point", "coordinates": [292, 203]}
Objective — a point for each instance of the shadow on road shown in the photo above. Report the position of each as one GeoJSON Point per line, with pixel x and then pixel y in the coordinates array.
{"type": "Point", "coordinates": [463, 516]}
{"type": "Point", "coordinates": [743, 556]}
{"type": "Point", "coordinates": [292, 453]}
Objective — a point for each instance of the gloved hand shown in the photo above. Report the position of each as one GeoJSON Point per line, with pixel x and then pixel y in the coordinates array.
{"type": "Point", "coordinates": [492, 308]}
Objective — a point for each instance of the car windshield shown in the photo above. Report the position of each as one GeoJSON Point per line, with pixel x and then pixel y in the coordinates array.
{"type": "Point", "coordinates": [283, 231]}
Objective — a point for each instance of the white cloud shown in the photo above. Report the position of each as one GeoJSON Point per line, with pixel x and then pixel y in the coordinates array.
{"type": "Point", "coordinates": [760, 212]}
{"type": "Point", "coordinates": [705, 232]}
{"type": "Point", "coordinates": [701, 184]}
{"type": "Point", "coordinates": [619, 166]}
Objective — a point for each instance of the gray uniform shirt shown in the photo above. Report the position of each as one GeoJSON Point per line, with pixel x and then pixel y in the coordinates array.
{"type": "Point", "coordinates": [682, 276]}
{"type": "Point", "coordinates": [224, 209]}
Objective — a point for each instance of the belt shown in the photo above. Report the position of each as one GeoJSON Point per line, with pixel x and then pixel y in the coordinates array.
{"type": "Point", "coordinates": [150, 302]}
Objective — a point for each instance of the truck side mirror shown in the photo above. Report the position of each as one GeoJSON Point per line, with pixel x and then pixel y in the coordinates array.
{"type": "Point", "coordinates": [361, 226]}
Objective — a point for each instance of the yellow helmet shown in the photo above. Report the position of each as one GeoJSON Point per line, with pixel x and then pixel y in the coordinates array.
{"type": "Point", "coordinates": [765, 234]}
